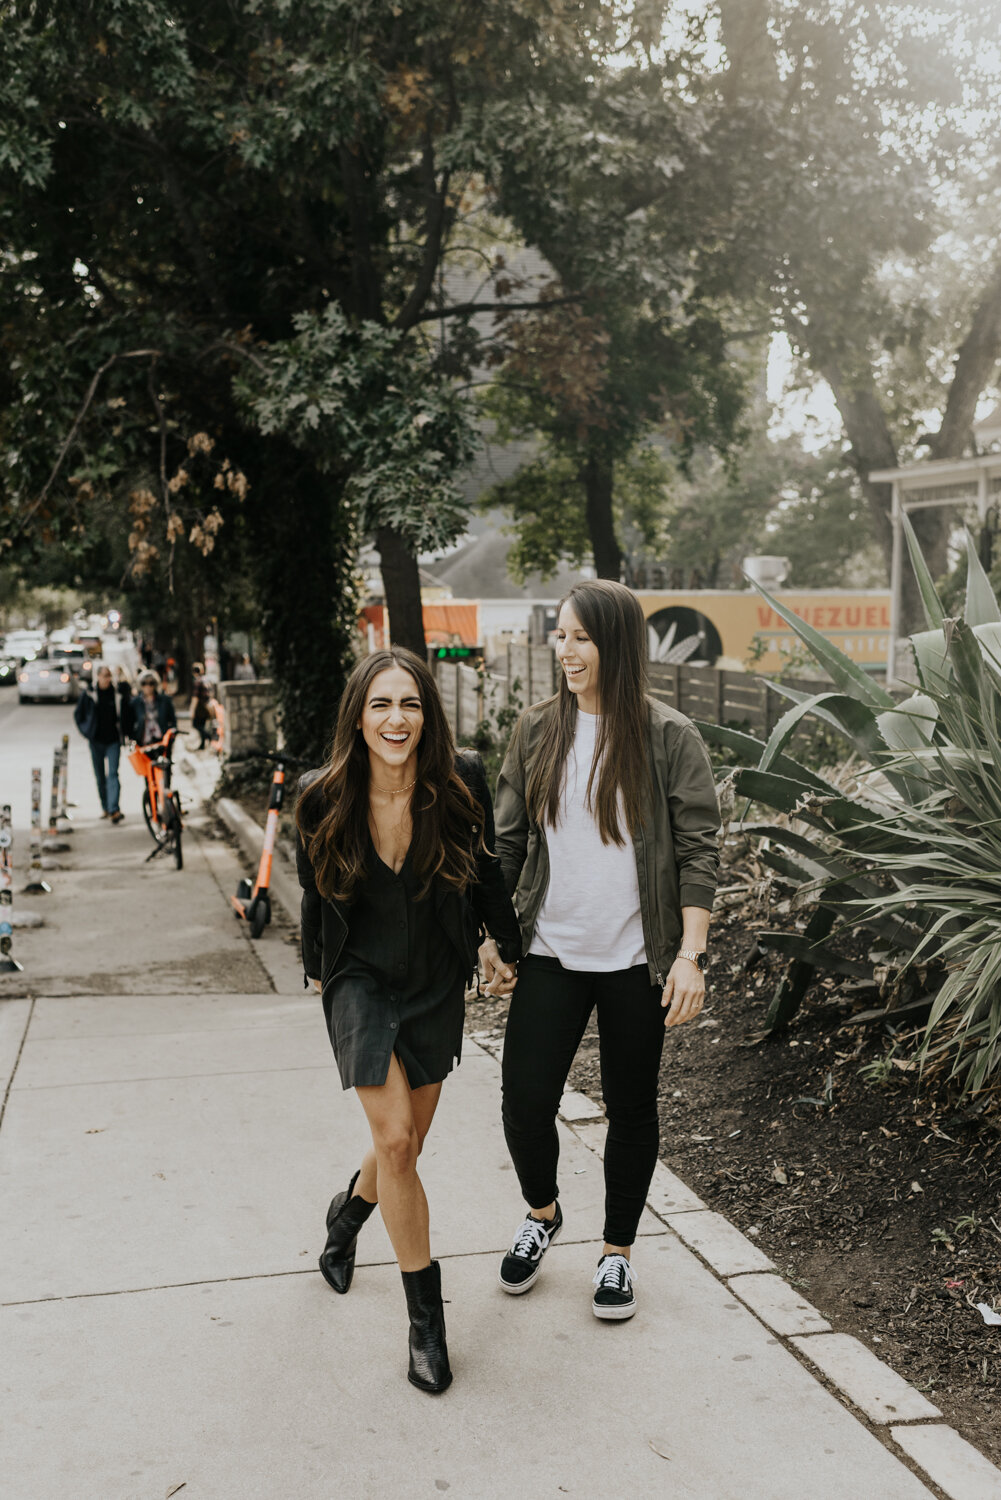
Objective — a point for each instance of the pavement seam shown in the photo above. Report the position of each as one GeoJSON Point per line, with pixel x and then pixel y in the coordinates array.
{"type": "Point", "coordinates": [310, 1270]}
{"type": "Point", "coordinates": [13, 1072]}
{"type": "Point", "coordinates": [93, 1083]}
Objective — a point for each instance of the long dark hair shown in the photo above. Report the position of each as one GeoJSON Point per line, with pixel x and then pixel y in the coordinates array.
{"type": "Point", "coordinates": [332, 812]}
{"type": "Point", "coordinates": [612, 617]}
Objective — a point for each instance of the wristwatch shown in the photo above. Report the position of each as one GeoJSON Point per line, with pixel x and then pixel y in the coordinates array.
{"type": "Point", "coordinates": [700, 960]}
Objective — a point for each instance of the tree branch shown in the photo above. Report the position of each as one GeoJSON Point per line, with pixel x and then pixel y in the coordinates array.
{"type": "Point", "coordinates": [91, 392]}
{"type": "Point", "coordinates": [978, 354]}
{"type": "Point", "coordinates": [434, 231]}
{"type": "Point", "coordinates": [464, 309]}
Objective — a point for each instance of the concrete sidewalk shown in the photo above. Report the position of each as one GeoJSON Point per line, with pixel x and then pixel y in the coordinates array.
{"type": "Point", "coordinates": [173, 1131]}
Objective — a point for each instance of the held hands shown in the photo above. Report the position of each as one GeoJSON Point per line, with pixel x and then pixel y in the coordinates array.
{"type": "Point", "coordinates": [499, 978]}
{"type": "Point", "coordinates": [684, 992]}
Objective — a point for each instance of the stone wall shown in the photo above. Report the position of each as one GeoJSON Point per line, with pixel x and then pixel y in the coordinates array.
{"type": "Point", "coordinates": [250, 717]}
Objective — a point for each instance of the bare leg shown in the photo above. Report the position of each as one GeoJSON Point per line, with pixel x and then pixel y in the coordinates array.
{"type": "Point", "coordinates": [424, 1102]}
{"type": "Point", "coordinates": [393, 1111]}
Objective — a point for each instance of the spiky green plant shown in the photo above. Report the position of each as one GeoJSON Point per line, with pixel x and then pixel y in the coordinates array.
{"type": "Point", "coordinates": [915, 854]}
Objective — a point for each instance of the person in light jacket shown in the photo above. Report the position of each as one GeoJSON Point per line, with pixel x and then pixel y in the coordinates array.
{"type": "Point", "coordinates": [607, 833]}
{"type": "Point", "coordinates": [400, 884]}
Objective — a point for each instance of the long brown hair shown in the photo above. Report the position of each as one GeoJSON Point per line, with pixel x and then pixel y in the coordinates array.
{"type": "Point", "coordinates": [332, 812]}
{"type": "Point", "coordinates": [612, 617]}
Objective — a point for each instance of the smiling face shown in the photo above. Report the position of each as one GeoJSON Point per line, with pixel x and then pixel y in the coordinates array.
{"type": "Point", "coordinates": [578, 656]}
{"type": "Point", "coordinates": [392, 722]}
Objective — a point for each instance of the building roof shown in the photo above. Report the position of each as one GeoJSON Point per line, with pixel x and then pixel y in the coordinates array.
{"type": "Point", "coordinates": [479, 571]}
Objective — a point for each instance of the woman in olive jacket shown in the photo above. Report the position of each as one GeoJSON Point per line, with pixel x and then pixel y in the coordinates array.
{"type": "Point", "coordinates": [607, 827]}
{"type": "Point", "coordinates": [400, 884]}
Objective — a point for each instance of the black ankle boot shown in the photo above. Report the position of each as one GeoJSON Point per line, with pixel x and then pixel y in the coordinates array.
{"type": "Point", "coordinates": [345, 1217]}
{"type": "Point", "coordinates": [429, 1369]}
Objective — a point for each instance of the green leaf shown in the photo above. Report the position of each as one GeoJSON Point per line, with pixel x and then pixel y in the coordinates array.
{"type": "Point", "coordinates": [981, 601]}
{"type": "Point", "coordinates": [799, 945]}
{"type": "Point", "coordinates": [911, 726]}
{"type": "Point", "coordinates": [746, 744]}
{"type": "Point", "coordinates": [852, 718]}
{"type": "Point", "coordinates": [847, 674]}
{"type": "Point", "coordinates": [932, 604]}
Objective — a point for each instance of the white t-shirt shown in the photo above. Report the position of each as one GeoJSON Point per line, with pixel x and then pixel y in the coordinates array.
{"type": "Point", "coordinates": [590, 915]}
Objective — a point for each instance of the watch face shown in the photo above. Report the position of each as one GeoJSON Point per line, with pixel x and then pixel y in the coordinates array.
{"type": "Point", "coordinates": [703, 961]}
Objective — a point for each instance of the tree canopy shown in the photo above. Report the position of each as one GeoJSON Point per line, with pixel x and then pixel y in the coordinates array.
{"type": "Point", "coordinates": [230, 228]}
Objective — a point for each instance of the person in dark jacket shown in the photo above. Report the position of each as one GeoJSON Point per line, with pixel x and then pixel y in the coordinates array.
{"type": "Point", "coordinates": [201, 718]}
{"type": "Point", "coordinates": [104, 718]}
{"type": "Point", "coordinates": [400, 884]}
{"type": "Point", "coordinates": [607, 826]}
{"type": "Point", "coordinates": [152, 712]}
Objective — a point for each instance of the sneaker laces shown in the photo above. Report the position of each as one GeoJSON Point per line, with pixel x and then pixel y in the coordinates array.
{"type": "Point", "coordinates": [532, 1238]}
{"type": "Point", "coordinates": [614, 1273]}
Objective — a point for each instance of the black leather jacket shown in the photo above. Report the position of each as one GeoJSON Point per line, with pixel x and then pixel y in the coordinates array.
{"type": "Point", "coordinates": [484, 908]}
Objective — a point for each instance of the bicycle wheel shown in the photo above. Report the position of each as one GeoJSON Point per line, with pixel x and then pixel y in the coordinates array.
{"type": "Point", "coordinates": [172, 813]}
{"type": "Point", "coordinates": [157, 830]}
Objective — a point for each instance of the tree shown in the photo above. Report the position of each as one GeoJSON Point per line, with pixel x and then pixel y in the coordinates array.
{"type": "Point", "coordinates": [216, 213]}
{"type": "Point", "coordinates": [855, 159]}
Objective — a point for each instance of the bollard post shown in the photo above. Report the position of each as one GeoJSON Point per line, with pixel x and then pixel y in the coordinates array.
{"type": "Point", "coordinates": [53, 844]}
{"type": "Point", "coordinates": [64, 813]}
{"type": "Point", "coordinates": [8, 963]}
{"type": "Point", "coordinates": [36, 885]}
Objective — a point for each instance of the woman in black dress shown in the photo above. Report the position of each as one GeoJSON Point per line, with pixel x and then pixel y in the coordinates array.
{"type": "Point", "coordinates": [400, 884]}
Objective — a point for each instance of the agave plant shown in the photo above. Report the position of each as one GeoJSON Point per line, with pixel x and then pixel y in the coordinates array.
{"type": "Point", "coordinates": [913, 853]}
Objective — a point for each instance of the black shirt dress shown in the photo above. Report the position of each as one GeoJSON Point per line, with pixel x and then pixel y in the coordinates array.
{"type": "Point", "coordinates": [393, 969]}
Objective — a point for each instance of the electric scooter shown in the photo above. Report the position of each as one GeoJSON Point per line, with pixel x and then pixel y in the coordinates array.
{"type": "Point", "coordinates": [252, 901]}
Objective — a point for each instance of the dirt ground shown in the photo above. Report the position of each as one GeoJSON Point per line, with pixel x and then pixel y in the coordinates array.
{"type": "Point", "coordinates": [876, 1198]}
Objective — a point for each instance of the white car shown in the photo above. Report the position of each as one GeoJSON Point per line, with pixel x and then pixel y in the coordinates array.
{"type": "Point", "coordinates": [24, 645]}
{"type": "Point", "coordinates": [40, 680]}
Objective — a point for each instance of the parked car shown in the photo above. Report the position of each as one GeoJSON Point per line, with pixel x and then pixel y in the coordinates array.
{"type": "Point", "coordinates": [24, 645]}
{"type": "Point", "coordinates": [8, 671]}
{"type": "Point", "coordinates": [40, 680]}
{"type": "Point", "coordinates": [73, 657]}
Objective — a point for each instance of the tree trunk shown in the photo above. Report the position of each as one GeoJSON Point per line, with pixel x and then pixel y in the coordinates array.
{"type": "Point", "coordinates": [402, 586]}
{"type": "Point", "coordinates": [872, 448]}
{"type": "Point", "coordinates": [303, 552]}
{"type": "Point", "coordinates": [597, 478]}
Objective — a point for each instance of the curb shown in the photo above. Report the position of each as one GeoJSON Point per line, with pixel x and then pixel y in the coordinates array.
{"type": "Point", "coordinates": [882, 1397]}
{"type": "Point", "coordinates": [879, 1395]}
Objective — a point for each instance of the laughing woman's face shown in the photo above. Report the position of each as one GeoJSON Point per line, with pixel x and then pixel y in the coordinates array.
{"type": "Point", "coordinates": [392, 720]}
{"type": "Point", "coordinates": [578, 656]}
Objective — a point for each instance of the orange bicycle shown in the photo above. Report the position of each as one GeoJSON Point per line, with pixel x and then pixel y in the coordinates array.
{"type": "Point", "coordinates": [161, 805]}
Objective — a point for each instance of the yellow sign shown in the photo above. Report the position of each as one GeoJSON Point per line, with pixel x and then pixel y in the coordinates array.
{"type": "Point", "coordinates": [740, 629]}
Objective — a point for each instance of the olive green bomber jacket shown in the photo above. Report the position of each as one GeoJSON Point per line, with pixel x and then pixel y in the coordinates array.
{"type": "Point", "coordinates": [677, 857]}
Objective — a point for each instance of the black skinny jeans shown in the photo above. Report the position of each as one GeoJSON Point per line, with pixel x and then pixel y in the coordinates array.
{"type": "Point", "coordinates": [550, 1009]}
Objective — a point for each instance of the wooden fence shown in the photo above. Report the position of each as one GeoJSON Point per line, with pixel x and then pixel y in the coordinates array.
{"type": "Point", "coordinates": [716, 696]}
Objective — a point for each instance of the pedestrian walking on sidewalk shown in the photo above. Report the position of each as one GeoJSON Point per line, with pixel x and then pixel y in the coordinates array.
{"type": "Point", "coordinates": [400, 884]}
{"type": "Point", "coordinates": [201, 715]}
{"type": "Point", "coordinates": [606, 831]}
{"type": "Point", "coordinates": [104, 719]}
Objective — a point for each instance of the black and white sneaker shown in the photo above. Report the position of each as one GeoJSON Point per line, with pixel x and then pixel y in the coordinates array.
{"type": "Point", "coordinates": [614, 1297]}
{"type": "Point", "coordinates": [523, 1262]}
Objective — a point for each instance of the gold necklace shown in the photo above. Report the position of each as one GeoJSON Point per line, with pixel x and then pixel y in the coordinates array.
{"type": "Point", "coordinates": [395, 792]}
